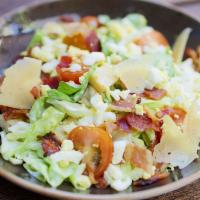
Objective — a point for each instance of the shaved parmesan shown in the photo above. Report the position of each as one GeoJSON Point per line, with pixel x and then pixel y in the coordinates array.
{"type": "Point", "coordinates": [103, 78]}
{"type": "Point", "coordinates": [138, 75]}
{"type": "Point", "coordinates": [18, 82]}
{"type": "Point", "coordinates": [179, 147]}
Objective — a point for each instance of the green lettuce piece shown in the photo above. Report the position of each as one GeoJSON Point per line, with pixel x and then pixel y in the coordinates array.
{"type": "Point", "coordinates": [47, 170]}
{"type": "Point", "coordinates": [49, 120]}
{"type": "Point", "coordinates": [72, 109]}
{"type": "Point", "coordinates": [67, 88]}
{"type": "Point", "coordinates": [79, 181]}
{"type": "Point", "coordinates": [84, 83]}
{"type": "Point", "coordinates": [54, 94]}
{"type": "Point", "coordinates": [146, 139]}
{"type": "Point", "coordinates": [162, 61]}
{"type": "Point", "coordinates": [138, 20]}
{"type": "Point", "coordinates": [37, 109]}
{"type": "Point", "coordinates": [36, 39]}
{"type": "Point", "coordinates": [154, 105]}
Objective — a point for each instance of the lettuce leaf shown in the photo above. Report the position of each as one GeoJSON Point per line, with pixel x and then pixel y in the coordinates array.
{"type": "Point", "coordinates": [138, 20]}
{"type": "Point", "coordinates": [54, 94]}
{"type": "Point", "coordinates": [72, 109]}
{"type": "Point", "coordinates": [36, 39]}
{"type": "Point", "coordinates": [67, 88]}
{"type": "Point", "coordinates": [50, 118]}
{"type": "Point", "coordinates": [37, 109]}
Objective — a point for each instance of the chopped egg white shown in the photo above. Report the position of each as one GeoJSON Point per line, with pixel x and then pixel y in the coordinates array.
{"type": "Point", "coordinates": [119, 148]}
{"type": "Point", "coordinates": [75, 67]}
{"type": "Point", "coordinates": [93, 58]}
{"type": "Point", "coordinates": [49, 66]}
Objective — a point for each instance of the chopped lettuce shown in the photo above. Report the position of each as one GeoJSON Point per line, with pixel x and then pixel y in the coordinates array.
{"type": "Point", "coordinates": [36, 40]}
{"type": "Point", "coordinates": [138, 20]}
{"type": "Point", "coordinates": [67, 88]}
{"type": "Point", "coordinates": [54, 94]}
{"type": "Point", "coordinates": [37, 109]}
{"type": "Point", "coordinates": [84, 83]}
{"type": "Point", "coordinates": [50, 118]}
{"type": "Point", "coordinates": [71, 109]}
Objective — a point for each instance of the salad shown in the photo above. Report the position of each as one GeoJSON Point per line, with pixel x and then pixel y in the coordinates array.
{"type": "Point", "coordinates": [100, 101]}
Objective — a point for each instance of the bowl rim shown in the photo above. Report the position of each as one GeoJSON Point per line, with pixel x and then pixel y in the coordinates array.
{"type": "Point", "coordinates": [56, 193]}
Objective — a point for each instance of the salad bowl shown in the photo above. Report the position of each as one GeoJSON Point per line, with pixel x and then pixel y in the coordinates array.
{"type": "Point", "coordinates": [165, 19]}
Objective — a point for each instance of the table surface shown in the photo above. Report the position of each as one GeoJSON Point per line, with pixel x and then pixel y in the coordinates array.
{"type": "Point", "coordinates": [8, 191]}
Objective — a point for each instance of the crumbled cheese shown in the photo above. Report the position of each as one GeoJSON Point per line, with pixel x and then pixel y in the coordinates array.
{"type": "Point", "coordinates": [116, 94]}
{"type": "Point", "coordinates": [97, 102]}
{"type": "Point", "coordinates": [49, 66]}
{"type": "Point", "coordinates": [119, 148]}
{"type": "Point", "coordinates": [93, 58]}
{"type": "Point", "coordinates": [67, 145]}
{"type": "Point", "coordinates": [139, 110]}
{"type": "Point", "coordinates": [43, 53]}
{"type": "Point", "coordinates": [75, 67]}
{"type": "Point", "coordinates": [69, 127]}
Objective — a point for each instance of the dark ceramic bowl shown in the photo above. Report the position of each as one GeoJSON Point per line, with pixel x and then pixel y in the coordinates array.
{"type": "Point", "coordinates": [167, 20]}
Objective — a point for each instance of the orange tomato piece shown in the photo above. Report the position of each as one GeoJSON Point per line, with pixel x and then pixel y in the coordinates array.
{"type": "Point", "coordinates": [152, 37]}
{"type": "Point", "coordinates": [77, 40]}
{"type": "Point", "coordinates": [97, 146]}
{"type": "Point", "coordinates": [91, 21]}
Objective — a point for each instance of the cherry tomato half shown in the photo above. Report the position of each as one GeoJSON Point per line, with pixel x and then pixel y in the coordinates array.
{"type": "Point", "coordinates": [97, 146]}
{"type": "Point", "coordinates": [153, 36]}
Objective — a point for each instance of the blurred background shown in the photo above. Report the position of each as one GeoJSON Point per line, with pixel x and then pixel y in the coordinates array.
{"type": "Point", "coordinates": [192, 7]}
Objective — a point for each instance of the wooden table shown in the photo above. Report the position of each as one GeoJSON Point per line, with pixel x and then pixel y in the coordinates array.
{"type": "Point", "coordinates": [8, 191]}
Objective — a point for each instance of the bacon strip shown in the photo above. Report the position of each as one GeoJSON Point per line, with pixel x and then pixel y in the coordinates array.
{"type": "Point", "coordinates": [138, 157]}
{"type": "Point", "coordinates": [13, 113]}
{"type": "Point", "coordinates": [35, 91]}
{"type": "Point", "coordinates": [177, 114]}
{"type": "Point", "coordinates": [139, 122]}
{"type": "Point", "coordinates": [155, 93]}
{"type": "Point", "coordinates": [50, 144]}
{"type": "Point", "coordinates": [93, 42]}
{"type": "Point", "coordinates": [153, 179]}
{"type": "Point", "coordinates": [52, 82]}
{"type": "Point", "coordinates": [123, 124]}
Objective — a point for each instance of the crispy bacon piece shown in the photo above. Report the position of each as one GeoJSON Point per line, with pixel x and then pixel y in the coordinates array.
{"type": "Point", "coordinates": [1, 79]}
{"type": "Point", "coordinates": [93, 42]}
{"type": "Point", "coordinates": [155, 93]}
{"type": "Point", "coordinates": [50, 144]}
{"type": "Point", "coordinates": [52, 82]}
{"type": "Point", "coordinates": [153, 179]}
{"type": "Point", "coordinates": [67, 18]}
{"type": "Point", "coordinates": [194, 54]}
{"type": "Point", "coordinates": [177, 114]}
{"type": "Point", "coordinates": [139, 122]}
{"type": "Point", "coordinates": [13, 113]}
{"type": "Point", "coordinates": [101, 183]}
{"type": "Point", "coordinates": [35, 91]}
{"type": "Point", "coordinates": [138, 157]}
{"type": "Point", "coordinates": [123, 124]}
